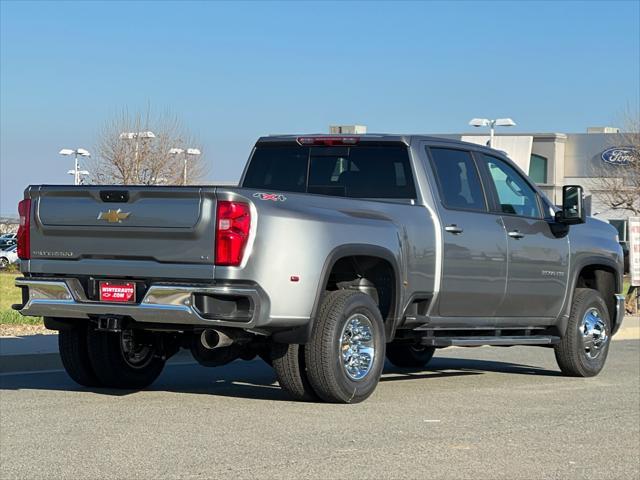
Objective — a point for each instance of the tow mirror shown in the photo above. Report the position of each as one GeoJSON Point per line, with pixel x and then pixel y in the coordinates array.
{"type": "Point", "coordinates": [573, 211]}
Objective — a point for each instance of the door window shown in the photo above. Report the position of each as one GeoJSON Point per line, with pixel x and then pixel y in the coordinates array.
{"type": "Point", "coordinates": [458, 179]}
{"type": "Point", "coordinates": [514, 194]}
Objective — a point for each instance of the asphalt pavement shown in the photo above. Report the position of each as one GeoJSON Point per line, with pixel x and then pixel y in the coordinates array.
{"type": "Point", "coordinates": [481, 413]}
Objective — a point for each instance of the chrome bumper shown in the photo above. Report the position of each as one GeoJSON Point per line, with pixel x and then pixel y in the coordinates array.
{"type": "Point", "coordinates": [162, 303]}
{"type": "Point", "coordinates": [619, 313]}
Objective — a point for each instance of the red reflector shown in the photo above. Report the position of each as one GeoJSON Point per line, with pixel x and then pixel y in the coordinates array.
{"type": "Point", "coordinates": [328, 141]}
{"type": "Point", "coordinates": [233, 221]}
{"type": "Point", "coordinates": [24, 234]}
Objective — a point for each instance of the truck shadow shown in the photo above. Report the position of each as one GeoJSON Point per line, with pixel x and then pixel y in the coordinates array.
{"type": "Point", "coordinates": [255, 379]}
{"type": "Point", "coordinates": [447, 367]}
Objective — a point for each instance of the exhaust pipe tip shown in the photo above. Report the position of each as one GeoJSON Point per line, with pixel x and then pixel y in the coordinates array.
{"type": "Point", "coordinates": [210, 339]}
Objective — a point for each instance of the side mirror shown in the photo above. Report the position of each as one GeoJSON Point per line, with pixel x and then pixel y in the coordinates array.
{"type": "Point", "coordinates": [573, 211]}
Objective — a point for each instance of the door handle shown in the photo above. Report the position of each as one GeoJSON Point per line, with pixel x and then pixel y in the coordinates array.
{"type": "Point", "coordinates": [454, 229]}
{"type": "Point", "coordinates": [516, 234]}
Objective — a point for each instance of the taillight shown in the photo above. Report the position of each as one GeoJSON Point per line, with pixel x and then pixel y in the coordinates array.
{"type": "Point", "coordinates": [24, 235]}
{"type": "Point", "coordinates": [328, 141]}
{"type": "Point", "coordinates": [233, 221]}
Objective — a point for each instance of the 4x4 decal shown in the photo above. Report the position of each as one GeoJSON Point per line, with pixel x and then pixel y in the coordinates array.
{"type": "Point", "coordinates": [274, 197]}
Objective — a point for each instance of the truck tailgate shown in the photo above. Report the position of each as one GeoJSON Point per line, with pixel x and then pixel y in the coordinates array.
{"type": "Point", "coordinates": [137, 225]}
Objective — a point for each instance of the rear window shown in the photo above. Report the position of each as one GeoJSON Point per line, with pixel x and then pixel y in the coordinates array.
{"type": "Point", "coordinates": [279, 168]}
{"type": "Point", "coordinates": [359, 171]}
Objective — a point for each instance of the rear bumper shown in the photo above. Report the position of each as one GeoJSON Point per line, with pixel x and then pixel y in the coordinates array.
{"type": "Point", "coordinates": [162, 303]}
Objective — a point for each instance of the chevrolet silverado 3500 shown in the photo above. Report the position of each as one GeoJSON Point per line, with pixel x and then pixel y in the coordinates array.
{"type": "Point", "coordinates": [332, 254]}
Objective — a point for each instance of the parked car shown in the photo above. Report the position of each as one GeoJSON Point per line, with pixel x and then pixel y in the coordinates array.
{"type": "Point", "coordinates": [8, 257]}
{"type": "Point", "coordinates": [333, 251]}
{"type": "Point", "coordinates": [7, 240]}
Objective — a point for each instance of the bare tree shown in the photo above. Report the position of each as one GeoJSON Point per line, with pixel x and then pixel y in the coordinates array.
{"type": "Point", "coordinates": [126, 154]}
{"type": "Point", "coordinates": [8, 225]}
{"type": "Point", "coordinates": [617, 184]}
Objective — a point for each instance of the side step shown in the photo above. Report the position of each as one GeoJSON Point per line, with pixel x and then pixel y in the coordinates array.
{"type": "Point", "coordinates": [497, 340]}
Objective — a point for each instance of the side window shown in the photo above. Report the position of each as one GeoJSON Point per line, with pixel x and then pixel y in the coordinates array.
{"type": "Point", "coordinates": [379, 172]}
{"type": "Point", "coordinates": [515, 195]}
{"type": "Point", "coordinates": [458, 179]}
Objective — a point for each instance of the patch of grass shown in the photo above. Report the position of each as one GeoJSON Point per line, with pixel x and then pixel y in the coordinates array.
{"type": "Point", "coordinates": [10, 294]}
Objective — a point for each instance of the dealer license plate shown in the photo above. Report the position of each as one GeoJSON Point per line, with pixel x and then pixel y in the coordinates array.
{"type": "Point", "coordinates": [120, 292]}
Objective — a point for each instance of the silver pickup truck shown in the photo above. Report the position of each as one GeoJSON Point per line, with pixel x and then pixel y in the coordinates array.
{"type": "Point", "coordinates": [332, 254]}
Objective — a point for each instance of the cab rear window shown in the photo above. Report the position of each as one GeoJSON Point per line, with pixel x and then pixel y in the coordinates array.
{"type": "Point", "coordinates": [376, 171]}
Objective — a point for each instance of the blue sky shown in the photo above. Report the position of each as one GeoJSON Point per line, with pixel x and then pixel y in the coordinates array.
{"type": "Point", "coordinates": [235, 71]}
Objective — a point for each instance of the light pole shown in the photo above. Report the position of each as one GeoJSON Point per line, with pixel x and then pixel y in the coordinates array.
{"type": "Point", "coordinates": [136, 136]}
{"type": "Point", "coordinates": [498, 122]}
{"type": "Point", "coordinates": [76, 172]}
{"type": "Point", "coordinates": [185, 153]}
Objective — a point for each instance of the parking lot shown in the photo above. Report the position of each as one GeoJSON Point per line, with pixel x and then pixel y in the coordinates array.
{"type": "Point", "coordinates": [475, 413]}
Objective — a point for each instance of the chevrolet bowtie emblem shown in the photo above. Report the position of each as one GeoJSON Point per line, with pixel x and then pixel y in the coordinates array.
{"type": "Point", "coordinates": [114, 216]}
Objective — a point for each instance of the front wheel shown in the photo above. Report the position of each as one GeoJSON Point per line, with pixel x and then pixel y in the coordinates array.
{"type": "Point", "coordinates": [583, 349]}
{"type": "Point", "coordinates": [127, 359]}
{"type": "Point", "coordinates": [345, 356]}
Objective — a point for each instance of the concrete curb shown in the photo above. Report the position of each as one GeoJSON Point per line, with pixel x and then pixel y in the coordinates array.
{"type": "Point", "coordinates": [30, 363]}
{"type": "Point", "coordinates": [29, 353]}
{"type": "Point", "coordinates": [34, 353]}
{"type": "Point", "coordinates": [51, 362]}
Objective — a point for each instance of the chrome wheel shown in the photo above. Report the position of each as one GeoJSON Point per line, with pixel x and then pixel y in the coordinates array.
{"type": "Point", "coordinates": [135, 354]}
{"type": "Point", "coordinates": [593, 331]}
{"type": "Point", "coordinates": [357, 349]}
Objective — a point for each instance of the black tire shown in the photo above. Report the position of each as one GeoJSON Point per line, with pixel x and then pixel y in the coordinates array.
{"type": "Point", "coordinates": [323, 354]}
{"type": "Point", "coordinates": [573, 358]}
{"type": "Point", "coordinates": [114, 370]}
{"type": "Point", "coordinates": [405, 355]}
{"type": "Point", "coordinates": [289, 363]}
{"type": "Point", "coordinates": [74, 353]}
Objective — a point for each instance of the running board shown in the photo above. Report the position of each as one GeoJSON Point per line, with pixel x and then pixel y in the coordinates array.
{"type": "Point", "coordinates": [497, 341]}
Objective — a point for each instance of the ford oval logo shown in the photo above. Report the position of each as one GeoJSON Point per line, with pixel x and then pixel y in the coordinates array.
{"type": "Point", "coordinates": [619, 155]}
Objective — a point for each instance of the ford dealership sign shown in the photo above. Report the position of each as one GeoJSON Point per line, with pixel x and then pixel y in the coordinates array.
{"type": "Point", "coordinates": [619, 155]}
